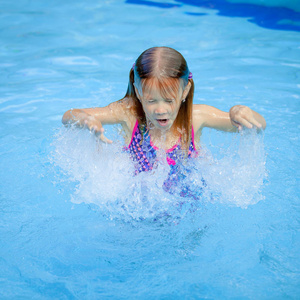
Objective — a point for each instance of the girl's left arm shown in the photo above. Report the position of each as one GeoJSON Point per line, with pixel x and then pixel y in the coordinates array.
{"type": "Point", "coordinates": [239, 116]}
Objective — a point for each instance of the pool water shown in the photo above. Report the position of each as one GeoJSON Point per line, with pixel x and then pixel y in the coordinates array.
{"type": "Point", "coordinates": [74, 223]}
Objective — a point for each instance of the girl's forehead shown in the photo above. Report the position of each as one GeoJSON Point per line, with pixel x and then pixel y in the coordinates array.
{"type": "Point", "coordinates": [166, 90]}
{"type": "Point", "coordinates": [158, 93]}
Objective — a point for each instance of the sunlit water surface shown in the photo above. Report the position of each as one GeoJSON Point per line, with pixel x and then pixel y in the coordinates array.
{"type": "Point", "coordinates": [75, 223]}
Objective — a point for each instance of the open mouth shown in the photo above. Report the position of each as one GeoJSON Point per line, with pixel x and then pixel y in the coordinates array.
{"type": "Point", "coordinates": [162, 122]}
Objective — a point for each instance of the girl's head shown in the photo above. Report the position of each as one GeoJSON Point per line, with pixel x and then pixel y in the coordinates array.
{"type": "Point", "coordinates": [162, 90]}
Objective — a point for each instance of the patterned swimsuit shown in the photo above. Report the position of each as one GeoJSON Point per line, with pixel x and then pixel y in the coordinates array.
{"type": "Point", "coordinates": [144, 155]}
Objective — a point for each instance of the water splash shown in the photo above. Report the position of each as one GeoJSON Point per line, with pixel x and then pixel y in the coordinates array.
{"type": "Point", "coordinates": [237, 177]}
{"type": "Point", "coordinates": [103, 176]}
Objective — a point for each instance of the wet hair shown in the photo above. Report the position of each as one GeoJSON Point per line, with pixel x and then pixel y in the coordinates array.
{"type": "Point", "coordinates": [167, 69]}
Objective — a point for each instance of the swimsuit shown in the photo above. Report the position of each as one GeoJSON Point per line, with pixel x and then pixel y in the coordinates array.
{"type": "Point", "coordinates": [144, 155]}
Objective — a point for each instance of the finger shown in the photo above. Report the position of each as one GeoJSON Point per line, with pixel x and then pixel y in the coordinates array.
{"type": "Point", "coordinates": [98, 131]}
{"type": "Point", "coordinates": [255, 122]}
{"type": "Point", "coordinates": [244, 122]}
{"type": "Point", "coordinates": [83, 123]}
{"type": "Point", "coordinates": [95, 129]}
{"type": "Point", "coordinates": [104, 139]}
{"type": "Point", "coordinates": [237, 125]}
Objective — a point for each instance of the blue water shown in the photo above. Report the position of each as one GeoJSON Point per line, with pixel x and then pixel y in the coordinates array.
{"type": "Point", "coordinates": [75, 225]}
{"type": "Point", "coordinates": [273, 14]}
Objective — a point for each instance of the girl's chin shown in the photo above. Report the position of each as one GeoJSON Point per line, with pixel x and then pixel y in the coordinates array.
{"type": "Point", "coordinates": [164, 125]}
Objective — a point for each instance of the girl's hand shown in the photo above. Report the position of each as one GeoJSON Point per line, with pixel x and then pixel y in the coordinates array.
{"type": "Point", "coordinates": [95, 126]}
{"type": "Point", "coordinates": [241, 115]}
{"type": "Point", "coordinates": [85, 118]}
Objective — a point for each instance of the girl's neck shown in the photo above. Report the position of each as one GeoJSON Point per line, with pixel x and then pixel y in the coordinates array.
{"type": "Point", "coordinates": [164, 139]}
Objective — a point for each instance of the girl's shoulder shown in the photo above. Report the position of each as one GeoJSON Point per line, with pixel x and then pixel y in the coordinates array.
{"type": "Point", "coordinates": [200, 112]}
{"type": "Point", "coordinates": [201, 109]}
{"type": "Point", "coordinates": [123, 104]}
{"type": "Point", "coordinates": [126, 110]}
{"type": "Point", "coordinates": [212, 117]}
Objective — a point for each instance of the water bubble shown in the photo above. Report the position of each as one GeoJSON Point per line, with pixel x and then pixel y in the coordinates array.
{"type": "Point", "coordinates": [104, 176]}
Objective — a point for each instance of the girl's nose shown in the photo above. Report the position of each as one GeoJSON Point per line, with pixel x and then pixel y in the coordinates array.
{"type": "Point", "coordinates": [160, 110]}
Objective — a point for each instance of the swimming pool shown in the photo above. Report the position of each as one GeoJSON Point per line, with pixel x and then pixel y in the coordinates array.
{"type": "Point", "coordinates": [70, 231]}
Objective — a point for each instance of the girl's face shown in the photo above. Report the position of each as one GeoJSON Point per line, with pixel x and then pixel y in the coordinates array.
{"type": "Point", "coordinates": [161, 111]}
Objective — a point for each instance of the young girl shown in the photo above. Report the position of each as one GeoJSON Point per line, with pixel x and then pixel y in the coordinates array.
{"type": "Point", "coordinates": [157, 111]}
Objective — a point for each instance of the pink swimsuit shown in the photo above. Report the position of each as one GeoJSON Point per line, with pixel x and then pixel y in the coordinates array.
{"type": "Point", "coordinates": [144, 155]}
{"type": "Point", "coordinates": [143, 152]}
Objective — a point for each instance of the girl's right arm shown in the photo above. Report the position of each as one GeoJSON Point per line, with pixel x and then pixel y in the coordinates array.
{"type": "Point", "coordinates": [93, 118]}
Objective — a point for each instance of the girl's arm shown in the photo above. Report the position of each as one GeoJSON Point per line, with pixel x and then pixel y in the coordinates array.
{"type": "Point", "coordinates": [93, 118]}
{"type": "Point", "coordinates": [238, 116]}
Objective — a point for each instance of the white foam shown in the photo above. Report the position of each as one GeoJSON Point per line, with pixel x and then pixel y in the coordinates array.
{"type": "Point", "coordinates": [103, 175]}
{"type": "Point", "coordinates": [237, 177]}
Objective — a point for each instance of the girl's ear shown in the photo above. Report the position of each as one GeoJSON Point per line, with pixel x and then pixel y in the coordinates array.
{"type": "Point", "coordinates": [186, 91]}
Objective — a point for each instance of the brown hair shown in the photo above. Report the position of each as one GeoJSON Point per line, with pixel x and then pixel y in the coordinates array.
{"type": "Point", "coordinates": [168, 68]}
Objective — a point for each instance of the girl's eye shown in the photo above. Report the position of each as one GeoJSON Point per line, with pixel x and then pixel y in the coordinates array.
{"type": "Point", "coordinates": [151, 101]}
{"type": "Point", "coordinates": [169, 100]}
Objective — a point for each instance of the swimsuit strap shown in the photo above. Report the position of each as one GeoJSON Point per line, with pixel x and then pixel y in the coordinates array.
{"type": "Point", "coordinates": [135, 128]}
{"type": "Point", "coordinates": [143, 152]}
